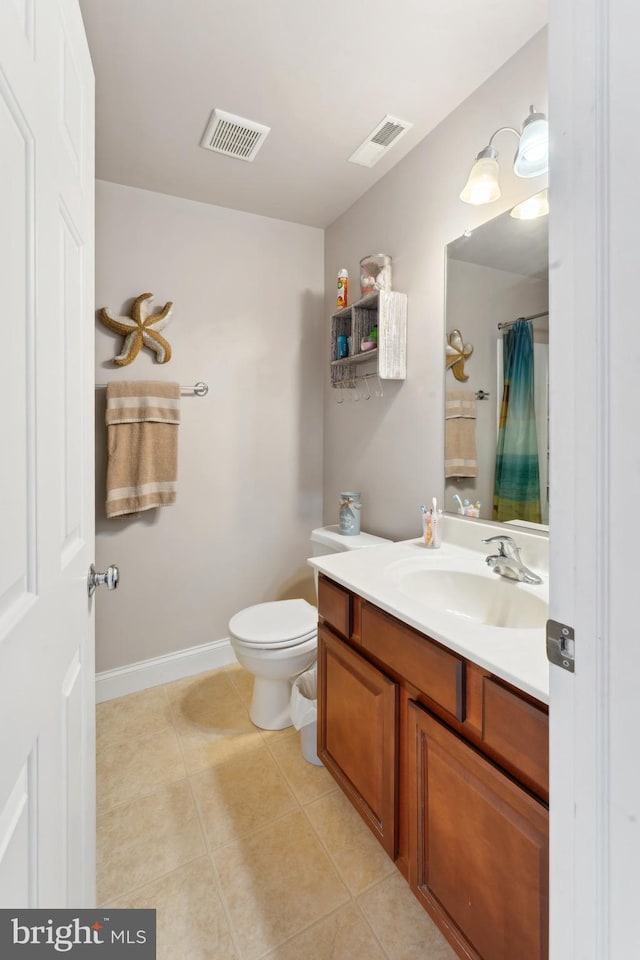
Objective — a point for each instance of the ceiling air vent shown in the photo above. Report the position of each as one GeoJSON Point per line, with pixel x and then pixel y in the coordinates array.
{"type": "Point", "coordinates": [379, 141]}
{"type": "Point", "coordinates": [233, 136]}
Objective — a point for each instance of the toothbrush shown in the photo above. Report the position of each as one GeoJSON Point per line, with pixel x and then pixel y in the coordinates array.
{"type": "Point", "coordinates": [461, 508]}
{"type": "Point", "coordinates": [434, 503]}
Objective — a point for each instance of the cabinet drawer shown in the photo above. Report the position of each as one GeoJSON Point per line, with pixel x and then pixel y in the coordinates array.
{"type": "Point", "coordinates": [434, 671]}
{"type": "Point", "coordinates": [334, 606]}
{"type": "Point", "coordinates": [518, 732]}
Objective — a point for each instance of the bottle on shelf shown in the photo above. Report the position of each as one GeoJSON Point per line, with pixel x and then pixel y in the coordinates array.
{"type": "Point", "coordinates": [343, 289]}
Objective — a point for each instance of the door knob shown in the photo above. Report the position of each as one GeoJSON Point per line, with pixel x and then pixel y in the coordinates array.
{"type": "Point", "coordinates": [110, 578]}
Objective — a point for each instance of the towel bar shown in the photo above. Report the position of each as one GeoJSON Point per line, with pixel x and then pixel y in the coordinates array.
{"type": "Point", "coordinates": [199, 389]}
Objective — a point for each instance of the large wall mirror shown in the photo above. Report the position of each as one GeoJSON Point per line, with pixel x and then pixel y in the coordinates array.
{"type": "Point", "coordinates": [496, 382]}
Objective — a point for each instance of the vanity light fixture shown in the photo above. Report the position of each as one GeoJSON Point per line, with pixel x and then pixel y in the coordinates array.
{"type": "Point", "coordinates": [531, 159]}
{"type": "Point", "coordinates": [532, 207]}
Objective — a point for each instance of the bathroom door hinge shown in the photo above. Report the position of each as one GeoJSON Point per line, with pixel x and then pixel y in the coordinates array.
{"type": "Point", "coordinates": [561, 643]}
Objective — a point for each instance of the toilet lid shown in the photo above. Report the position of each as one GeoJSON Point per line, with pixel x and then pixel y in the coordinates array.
{"type": "Point", "coordinates": [276, 624]}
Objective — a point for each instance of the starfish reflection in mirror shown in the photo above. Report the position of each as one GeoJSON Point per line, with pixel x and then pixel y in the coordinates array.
{"type": "Point", "coordinates": [140, 329]}
{"type": "Point", "coordinates": [456, 352]}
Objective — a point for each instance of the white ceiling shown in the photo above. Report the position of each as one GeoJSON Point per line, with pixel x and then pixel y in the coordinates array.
{"type": "Point", "coordinates": [321, 75]}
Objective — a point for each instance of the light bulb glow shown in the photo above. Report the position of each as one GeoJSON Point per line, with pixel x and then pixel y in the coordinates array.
{"type": "Point", "coordinates": [533, 207]}
{"type": "Point", "coordinates": [532, 157]}
{"type": "Point", "coordinates": [482, 185]}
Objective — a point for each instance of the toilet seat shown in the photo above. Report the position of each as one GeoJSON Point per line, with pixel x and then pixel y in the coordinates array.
{"type": "Point", "coordinates": [275, 625]}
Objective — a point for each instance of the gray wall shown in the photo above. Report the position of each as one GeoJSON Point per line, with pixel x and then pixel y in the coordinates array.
{"type": "Point", "coordinates": [392, 449]}
{"type": "Point", "coordinates": [248, 320]}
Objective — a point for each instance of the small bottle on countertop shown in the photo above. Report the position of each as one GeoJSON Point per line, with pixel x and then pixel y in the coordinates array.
{"type": "Point", "coordinates": [343, 289]}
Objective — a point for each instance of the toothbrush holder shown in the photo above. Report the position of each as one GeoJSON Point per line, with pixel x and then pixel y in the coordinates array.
{"type": "Point", "coordinates": [432, 529]}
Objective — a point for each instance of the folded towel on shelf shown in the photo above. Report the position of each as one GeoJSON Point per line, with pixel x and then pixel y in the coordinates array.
{"type": "Point", "coordinates": [142, 445]}
{"type": "Point", "coordinates": [460, 434]}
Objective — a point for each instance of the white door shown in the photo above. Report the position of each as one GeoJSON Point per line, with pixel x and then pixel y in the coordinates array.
{"type": "Point", "coordinates": [47, 791]}
{"type": "Point", "coordinates": [595, 477]}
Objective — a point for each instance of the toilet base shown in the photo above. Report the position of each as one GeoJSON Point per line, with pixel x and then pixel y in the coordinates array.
{"type": "Point", "coordinates": [271, 703]}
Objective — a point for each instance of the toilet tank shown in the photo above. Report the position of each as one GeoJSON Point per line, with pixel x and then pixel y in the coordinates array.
{"type": "Point", "coordinates": [326, 540]}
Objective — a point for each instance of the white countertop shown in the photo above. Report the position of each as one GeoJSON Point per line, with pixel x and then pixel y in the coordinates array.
{"type": "Point", "coordinates": [516, 655]}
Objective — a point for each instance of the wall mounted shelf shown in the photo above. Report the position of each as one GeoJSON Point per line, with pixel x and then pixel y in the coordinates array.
{"type": "Point", "coordinates": [384, 309]}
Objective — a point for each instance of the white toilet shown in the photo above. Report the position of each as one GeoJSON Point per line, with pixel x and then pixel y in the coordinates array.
{"type": "Point", "coordinates": [277, 641]}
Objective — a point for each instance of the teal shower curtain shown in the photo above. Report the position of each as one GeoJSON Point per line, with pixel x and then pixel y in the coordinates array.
{"type": "Point", "coordinates": [517, 484]}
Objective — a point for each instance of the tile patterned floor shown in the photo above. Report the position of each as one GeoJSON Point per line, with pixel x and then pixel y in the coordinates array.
{"type": "Point", "coordinates": [246, 851]}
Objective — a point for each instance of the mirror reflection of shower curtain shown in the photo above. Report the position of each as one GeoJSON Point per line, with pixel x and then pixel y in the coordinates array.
{"type": "Point", "coordinates": [517, 477]}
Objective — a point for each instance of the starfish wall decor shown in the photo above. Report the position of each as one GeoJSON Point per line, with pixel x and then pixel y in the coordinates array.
{"type": "Point", "coordinates": [140, 329]}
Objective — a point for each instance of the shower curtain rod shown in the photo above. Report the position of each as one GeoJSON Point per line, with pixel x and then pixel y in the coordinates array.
{"type": "Point", "coordinates": [534, 316]}
{"type": "Point", "coordinates": [199, 389]}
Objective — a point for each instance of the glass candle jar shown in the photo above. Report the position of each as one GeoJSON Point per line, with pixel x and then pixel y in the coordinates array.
{"type": "Point", "coordinates": [350, 508]}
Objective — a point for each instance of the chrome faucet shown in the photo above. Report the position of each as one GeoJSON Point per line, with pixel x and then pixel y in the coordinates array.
{"type": "Point", "coordinates": [507, 560]}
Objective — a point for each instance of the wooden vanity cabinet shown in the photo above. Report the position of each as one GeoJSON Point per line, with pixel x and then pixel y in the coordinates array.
{"type": "Point", "coordinates": [448, 765]}
{"type": "Point", "coordinates": [479, 847]}
{"type": "Point", "coordinates": [357, 738]}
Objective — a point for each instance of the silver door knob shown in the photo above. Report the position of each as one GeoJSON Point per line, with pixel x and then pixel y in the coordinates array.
{"type": "Point", "coordinates": [110, 578]}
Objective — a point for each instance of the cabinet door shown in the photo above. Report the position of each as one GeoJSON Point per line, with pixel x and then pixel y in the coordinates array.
{"type": "Point", "coordinates": [357, 733]}
{"type": "Point", "coordinates": [478, 847]}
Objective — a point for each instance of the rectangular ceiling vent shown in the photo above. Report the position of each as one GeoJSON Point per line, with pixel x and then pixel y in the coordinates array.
{"type": "Point", "coordinates": [385, 135]}
{"type": "Point", "coordinates": [234, 136]}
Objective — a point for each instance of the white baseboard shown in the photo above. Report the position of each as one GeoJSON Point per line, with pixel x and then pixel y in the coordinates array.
{"type": "Point", "coordinates": [171, 666]}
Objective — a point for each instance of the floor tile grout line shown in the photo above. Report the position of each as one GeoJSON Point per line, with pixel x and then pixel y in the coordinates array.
{"type": "Point", "coordinates": [203, 832]}
{"type": "Point", "coordinates": [309, 926]}
{"type": "Point", "coordinates": [279, 816]}
{"type": "Point", "coordinates": [141, 796]}
{"type": "Point", "coordinates": [245, 836]}
{"type": "Point", "coordinates": [160, 876]}
{"type": "Point", "coordinates": [261, 829]}
{"type": "Point", "coordinates": [144, 796]}
{"type": "Point", "coordinates": [290, 782]}
{"type": "Point", "coordinates": [130, 738]}
{"type": "Point", "coordinates": [328, 852]}
{"type": "Point", "coordinates": [218, 884]}
{"type": "Point", "coordinates": [365, 919]}
{"type": "Point", "coordinates": [355, 896]}
{"type": "Point", "coordinates": [127, 738]}
{"type": "Point", "coordinates": [225, 907]}
{"type": "Point", "coordinates": [157, 787]}
{"type": "Point", "coordinates": [335, 864]}
{"type": "Point", "coordinates": [207, 853]}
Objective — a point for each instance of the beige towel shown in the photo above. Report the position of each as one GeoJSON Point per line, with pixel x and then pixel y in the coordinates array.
{"type": "Point", "coordinates": [460, 434]}
{"type": "Point", "coordinates": [142, 440]}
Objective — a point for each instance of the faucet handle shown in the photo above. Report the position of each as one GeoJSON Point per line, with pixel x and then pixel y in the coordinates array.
{"type": "Point", "coordinates": [501, 539]}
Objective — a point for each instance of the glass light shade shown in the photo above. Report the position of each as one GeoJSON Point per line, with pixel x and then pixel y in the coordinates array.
{"type": "Point", "coordinates": [482, 185]}
{"type": "Point", "coordinates": [532, 207]}
{"type": "Point", "coordinates": [532, 157]}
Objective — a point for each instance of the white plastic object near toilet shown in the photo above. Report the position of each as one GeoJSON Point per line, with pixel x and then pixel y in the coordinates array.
{"type": "Point", "coordinates": [277, 641]}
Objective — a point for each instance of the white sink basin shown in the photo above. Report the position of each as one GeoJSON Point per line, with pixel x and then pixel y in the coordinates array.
{"type": "Point", "coordinates": [489, 600]}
